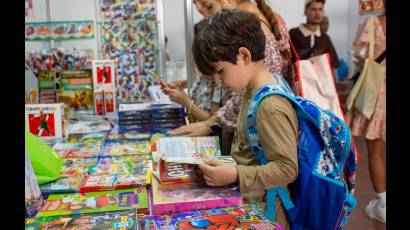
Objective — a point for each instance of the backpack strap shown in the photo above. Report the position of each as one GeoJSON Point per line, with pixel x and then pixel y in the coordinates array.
{"type": "Point", "coordinates": [256, 146]}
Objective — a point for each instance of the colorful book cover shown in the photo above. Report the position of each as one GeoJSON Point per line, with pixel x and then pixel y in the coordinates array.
{"type": "Point", "coordinates": [90, 127]}
{"type": "Point", "coordinates": [120, 220]}
{"type": "Point", "coordinates": [99, 102]}
{"type": "Point", "coordinates": [46, 120]}
{"type": "Point", "coordinates": [103, 74]}
{"type": "Point", "coordinates": [110, 105]}
{"type": "Point", "coordinates": [98, 182]}
{"type": "Point", "coordinates": [190, 150]}
{"type": "Point", "coordinates": [94, 138]}
{"type": "Point", "coordinates": [126, 148]}
{"type": "Point", "coordinates": [76, 166]}
{"type": "Point", "coordinates": [185, 197]}
{"type": "Point", "coordinates": [33, 199]}
{"type": "Point", "coordinates": [77, 203]}
{"type": "Point", "coordinates": [76, 100]}
{"type": "Point", "coordinates": [69, 184]}
{"type": "Point", "coordinates": [78, 150]}
{"type": "Point", "coordinates": [128, 136]}
{"type": "Point", "coordinates": [178, 172]}
{"type": "Point", "coordinates": [240, 217]}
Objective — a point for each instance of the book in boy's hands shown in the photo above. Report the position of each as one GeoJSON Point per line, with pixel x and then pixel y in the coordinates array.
{"type": "Point", "coordinates": [238, 217]}
{"type": "Point", "coordinates": [68, 184]}
{"type": "Point", "coordinates": [189, 150]}
{"type": "Point", "coordinates": [77, 203]}
{"type": "Point", "coordinates": [119, 220]}
{"type": "Point", "coordinates": [170, 172]}
{"type": "Point", "coordinates": [46, 120]}
{"type": "Point", "coordinates": [185, 197]}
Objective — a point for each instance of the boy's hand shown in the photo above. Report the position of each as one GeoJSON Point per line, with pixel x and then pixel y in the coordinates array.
{"type": "Point", "coordinates": [192, 130]}
{"type": "Point", "coordinates": [217, 173]}
{"type": "Point", "coordinates": [177, 96]}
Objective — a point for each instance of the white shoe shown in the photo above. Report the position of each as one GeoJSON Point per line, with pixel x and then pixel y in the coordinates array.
{"type": "Point", "coordinates": [375, 210]}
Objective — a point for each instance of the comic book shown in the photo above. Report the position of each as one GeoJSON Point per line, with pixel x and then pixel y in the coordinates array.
{"type": "Point", "coordinates": [98, 182]}
{"type": "Point", "coordinates": [238, 217]}
{"type": "Point", "coordinates": [190, 150]}
{"type": "Point", "coordinates": [77, 203]}
{"type": "Point", "coordinates": [113, 136]}
{"type": "Point", "coordinates": [32, 199]}
{"type": "Point", "coordinates": [78, 150]}
{"type": "Point", "coordinates": [77, 166]}
{"type": "Point", "coordinates": [86, 138]}
{"type": "Point", "coordinates": [90, 126]}
{"type": "Point", "coordinates": [46, 120]}
{"type": "Point", "coordinates": [175, 198]}
{"type": "Point", "coordinates": [126, 148]}
{"type": "Point", "coordinates": [119, 220]}
{"type": "Point", "coordinates": [68, 184]}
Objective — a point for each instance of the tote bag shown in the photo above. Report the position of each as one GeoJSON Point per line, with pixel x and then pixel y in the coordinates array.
{"type": "Point", "coordinates": [363, 96]}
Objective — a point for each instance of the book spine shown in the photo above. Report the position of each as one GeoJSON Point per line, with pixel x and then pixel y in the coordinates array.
{"type": "Point", "coordinates": [170, 208]}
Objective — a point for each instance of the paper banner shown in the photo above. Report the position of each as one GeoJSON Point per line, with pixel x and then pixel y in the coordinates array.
{"type": "Point", "coordinates": [59, 30]}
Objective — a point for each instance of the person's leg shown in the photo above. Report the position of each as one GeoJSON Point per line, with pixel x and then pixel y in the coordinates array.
{"type": "Point", "coordinates": [377, 168]}
{"type": "Point", "coordinates": [376, 209]}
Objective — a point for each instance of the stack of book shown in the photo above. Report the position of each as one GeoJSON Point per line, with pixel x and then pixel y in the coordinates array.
{"type": "Point", "coordinates": [179, 186]}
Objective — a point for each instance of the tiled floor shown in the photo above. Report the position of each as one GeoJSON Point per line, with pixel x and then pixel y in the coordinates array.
{"type": "Point", "coordinates": [364, 193]}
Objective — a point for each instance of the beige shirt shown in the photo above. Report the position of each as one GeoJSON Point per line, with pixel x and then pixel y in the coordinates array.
{"type": "Point", "coordinates": [277, 129]}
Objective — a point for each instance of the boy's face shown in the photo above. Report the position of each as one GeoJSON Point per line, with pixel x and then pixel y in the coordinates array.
{"type": "Point", "coordinates": [314, 13]}
{"type": "Point", "coordinates": [233, 76]}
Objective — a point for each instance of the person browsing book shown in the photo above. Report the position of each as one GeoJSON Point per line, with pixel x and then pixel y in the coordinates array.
{"type": "Point", "coordinates": [236, 56]}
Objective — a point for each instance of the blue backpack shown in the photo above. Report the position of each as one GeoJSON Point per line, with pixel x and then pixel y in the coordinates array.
{"type": "Point", "coordinates": [322, 195]}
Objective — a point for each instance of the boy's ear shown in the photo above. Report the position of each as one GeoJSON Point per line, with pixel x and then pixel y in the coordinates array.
{"type": "Point", "coordinates": [245, 55]}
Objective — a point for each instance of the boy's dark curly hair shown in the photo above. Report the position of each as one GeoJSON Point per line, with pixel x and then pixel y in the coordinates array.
{"type": "Point", "coordinates": [221, 35]}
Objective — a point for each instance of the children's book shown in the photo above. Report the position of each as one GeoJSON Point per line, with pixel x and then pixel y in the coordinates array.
{"type": "Point", "coordinates": [78, 150]}
{"type": "Point", "coordinates": [190, 150]}
{"type": "Point", "coordinates": [68, 184]}
{"type": "Point", "coordinates": [76, 100]}
{"type": "Point", "coordinates": [238, 217]}
{"type": "Point", "coordinates": [120, 220]}
{"type": "Point", "coordinates": [77, 203]}
{"type": "Point", "coordinates": [95, 138]}
{"type": "Point", "coordinates": [176, 172]}
{"type": "Point", "coordinates": [77, 166]}
{"type": "Point", "coordinates": [46, 120]}
{"type": "Point", "coordinates": [175, 198]}
{"type": "Point", "coordinates": [128, 136]}
{"type": "Point", "coordinates": [98, 182]}
{"type": "Point", "coordinates": [104, 74]}
{"type": "Point", "coordinates": [126, 148]}
{"type": "Point", "coordinates": [33, 199]}
{"type": "Point", "coordinates": [90, 126]}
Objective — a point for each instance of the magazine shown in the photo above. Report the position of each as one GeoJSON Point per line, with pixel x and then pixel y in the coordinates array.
{"type": "Point", "coordinates": [46, 120]}
{"type": "Point", "coordinates": [120, 220]}
{"type": "Point", "coordinates": [77, 203]}
{"type": "Point", "coordinates": [238, 217]}
{"type": "Point", "coordinates": [190, 150]}
{"type": "Point", "coordinates": [175, 198]}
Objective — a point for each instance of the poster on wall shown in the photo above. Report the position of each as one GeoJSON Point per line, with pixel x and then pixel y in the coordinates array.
{"type": "Point", "coordinates": [129, 37]}
{"type": "Point", "coordinates": [29, 8]}
{"type": "Point", "coordinates": [37, 31]}
{"type": "Point", "coordinates": [371, 6]}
